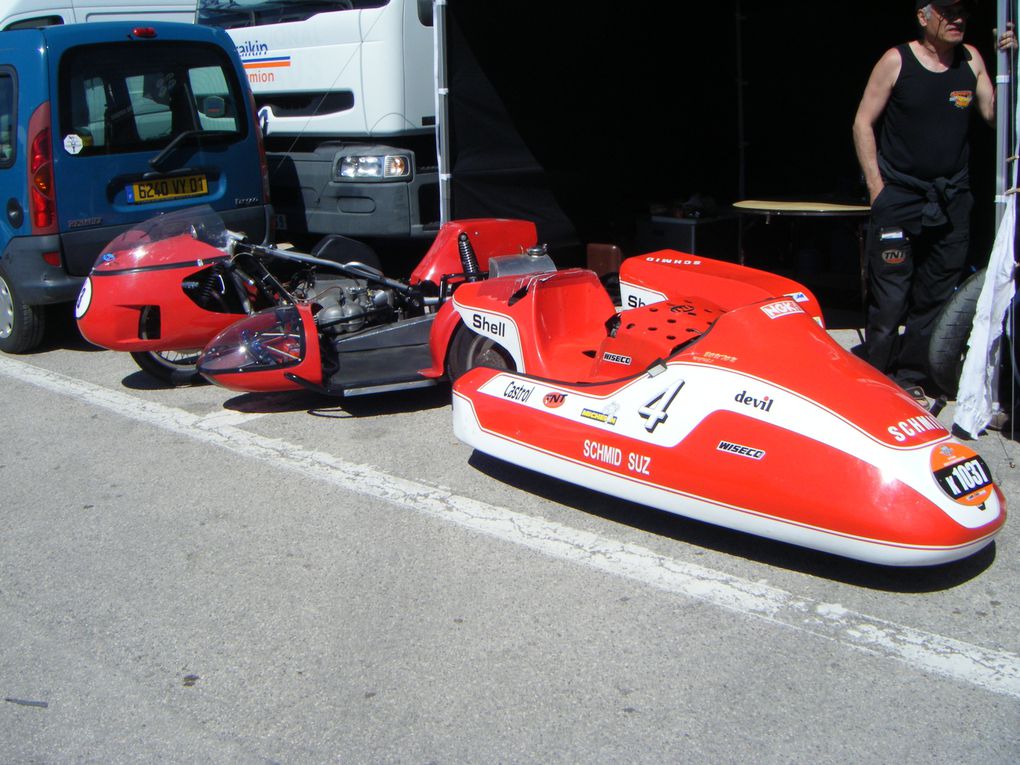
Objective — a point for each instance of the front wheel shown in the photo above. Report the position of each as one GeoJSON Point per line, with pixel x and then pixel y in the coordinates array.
{"type": "Point", "coordinates": [950, 334]}
{"type": "Point", "coordinates": [21, 325]}
{"type": "Point", "coordinates": [171, 367]}
{"type": "Point", "coordinates": [468, 350]}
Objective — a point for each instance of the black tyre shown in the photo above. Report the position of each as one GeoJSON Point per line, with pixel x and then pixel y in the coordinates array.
{"type": "Point", "coordinates": [468, 350]}
{"type": "Point", "coordinates": [171, 367]}
{"type": "Point", "coordinates": [950, 334]}
{"type": "Point", "coordinates": [21, 325]}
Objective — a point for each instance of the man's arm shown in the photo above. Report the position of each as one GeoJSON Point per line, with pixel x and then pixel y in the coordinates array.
{"type": "Point", "coordinates": [985, 90]}
{"type": "Point", "coordinates": [873, 103]}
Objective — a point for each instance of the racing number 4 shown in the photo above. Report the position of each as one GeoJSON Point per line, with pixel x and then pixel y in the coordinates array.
{"type": "Point", "coordinates": [655, 410]}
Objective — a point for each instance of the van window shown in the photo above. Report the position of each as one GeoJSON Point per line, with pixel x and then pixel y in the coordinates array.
{"type": "Point", "coordinates": [231, 14]}
{"type": "Point", "coordinates": [138, 97]}
{"type": "Point", "coordinates": [8, 119]}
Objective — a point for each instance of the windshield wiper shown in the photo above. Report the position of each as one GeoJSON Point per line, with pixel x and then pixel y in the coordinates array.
{"type": "Point", "coordinates": [180, 138]}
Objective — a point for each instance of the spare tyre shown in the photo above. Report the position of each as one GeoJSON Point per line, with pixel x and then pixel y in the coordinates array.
{"type": "Point", "coordinates": [951, 332]}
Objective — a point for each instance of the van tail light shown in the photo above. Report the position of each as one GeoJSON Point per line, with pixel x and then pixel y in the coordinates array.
{"type": "Point", "coordinates": [42, 206]}
{"type": "Point", "coordinates": [263, 165]}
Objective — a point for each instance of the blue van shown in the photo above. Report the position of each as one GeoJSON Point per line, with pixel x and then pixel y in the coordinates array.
{"type": "Point", "coordinates": [102, 126]}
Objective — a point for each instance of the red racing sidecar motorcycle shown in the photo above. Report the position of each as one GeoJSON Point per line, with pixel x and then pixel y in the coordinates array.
{"type": "Point", "coordinates": [716, 394]}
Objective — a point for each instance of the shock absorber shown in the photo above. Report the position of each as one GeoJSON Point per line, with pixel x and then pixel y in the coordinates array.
{"type": "Point", "coordinates": [468, 261]}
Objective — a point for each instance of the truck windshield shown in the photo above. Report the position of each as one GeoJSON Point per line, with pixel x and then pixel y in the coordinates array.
{"type": "Point", "coordinates": [129, 98]}
{"type": "Point", "coordinates": [230, 14]}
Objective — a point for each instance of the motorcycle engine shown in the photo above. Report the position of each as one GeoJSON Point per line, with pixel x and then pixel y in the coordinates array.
{"type": "Point", "coordinates": [349, 305]}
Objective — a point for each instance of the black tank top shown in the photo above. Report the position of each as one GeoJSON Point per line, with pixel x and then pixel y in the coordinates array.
{"type": "Point", "coordinates": [925, 124]}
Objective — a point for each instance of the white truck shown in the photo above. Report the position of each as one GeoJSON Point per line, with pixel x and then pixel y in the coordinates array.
{"type": "Point", "coordinates": [345, 92]}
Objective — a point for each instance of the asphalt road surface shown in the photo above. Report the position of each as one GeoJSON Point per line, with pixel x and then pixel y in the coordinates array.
{"type": "Point", "coordinates": [193, 575]}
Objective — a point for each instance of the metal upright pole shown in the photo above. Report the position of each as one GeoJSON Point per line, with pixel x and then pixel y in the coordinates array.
{"type": "Point", "coordinates": [442, 109]}
{"type": "Point", "coordinates": [1003, 114]}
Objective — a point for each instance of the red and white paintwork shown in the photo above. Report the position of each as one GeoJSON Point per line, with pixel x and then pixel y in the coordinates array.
{"type": "Point", "coordinates": [762, 424]}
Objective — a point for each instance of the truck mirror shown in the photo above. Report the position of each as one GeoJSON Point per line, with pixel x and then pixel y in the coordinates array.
{"type": "Point", "coordinates": [425, 12]}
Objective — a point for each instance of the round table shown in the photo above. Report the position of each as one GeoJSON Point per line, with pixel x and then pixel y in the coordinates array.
{"type": "Point", "coordinates": [769, 208]}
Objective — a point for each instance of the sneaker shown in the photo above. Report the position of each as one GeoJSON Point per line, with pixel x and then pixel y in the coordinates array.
{"type": "Point", "coordinates": [916, 392]}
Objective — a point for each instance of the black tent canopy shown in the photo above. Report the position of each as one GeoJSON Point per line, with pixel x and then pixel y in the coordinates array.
{"type": "Point", "coordinates": [583, 115]}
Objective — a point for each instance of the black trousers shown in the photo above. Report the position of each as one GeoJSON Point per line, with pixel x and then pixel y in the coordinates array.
{"type": "Point", "coordinates": [910, 277]}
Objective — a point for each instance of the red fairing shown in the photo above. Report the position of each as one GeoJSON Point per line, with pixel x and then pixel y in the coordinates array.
{"type": "Point", "coordinates": [147, 279]}
{"type": "Point", "coordinates": [260, 352]}
{"type": "Point", "coordinates": [489, 237]}
{"type": "Point", "coordinates": [744, 415]}
{"type": "Point", "coordinates": [671, 274]}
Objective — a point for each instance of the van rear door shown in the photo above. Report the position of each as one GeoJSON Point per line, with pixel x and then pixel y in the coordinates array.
{"type": "Point", "coordinates": [146, 123]}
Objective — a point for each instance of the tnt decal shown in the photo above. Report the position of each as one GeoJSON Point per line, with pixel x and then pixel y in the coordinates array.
{"type": "Point", "coordinates": [553, 400]}
{"type": "Point", "coordinates": [961, 98]}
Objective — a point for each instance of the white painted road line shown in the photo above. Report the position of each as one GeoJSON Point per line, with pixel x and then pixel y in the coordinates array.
{"type": "Point", "coordinates": [995, 671]}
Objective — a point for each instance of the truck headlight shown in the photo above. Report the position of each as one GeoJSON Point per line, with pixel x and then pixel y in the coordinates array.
{"type": "Point", "coordinates": [373, 167]}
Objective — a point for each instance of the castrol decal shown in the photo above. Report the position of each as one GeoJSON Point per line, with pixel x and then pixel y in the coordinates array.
{"type": "Point", "coordinates": [961, 474]}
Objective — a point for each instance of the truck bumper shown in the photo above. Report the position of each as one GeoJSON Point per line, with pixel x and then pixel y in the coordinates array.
{"type": "Point", "coordinates": [309, 201]}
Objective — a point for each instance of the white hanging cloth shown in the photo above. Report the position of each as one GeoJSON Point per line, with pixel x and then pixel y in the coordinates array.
{"type": "Point", "coordinates": [978, 399]}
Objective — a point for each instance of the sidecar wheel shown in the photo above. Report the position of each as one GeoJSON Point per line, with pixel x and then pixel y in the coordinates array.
{"type": "Point", "coordinates": [950, 333]}
{"type": "Point", "coordinates": [468, 350]}
{"type": "Point", "coordinates": [176, 368]}
{"type": "Point", "coordinates": [21, 325]}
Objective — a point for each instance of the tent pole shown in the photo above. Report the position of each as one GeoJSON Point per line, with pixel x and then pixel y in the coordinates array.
{"type": "Point", "coordinates": [1003, 114]}
{"type": "Point", "coordinates": [442, 87]}
{"type": "Point", "coordinates": [741, 142]}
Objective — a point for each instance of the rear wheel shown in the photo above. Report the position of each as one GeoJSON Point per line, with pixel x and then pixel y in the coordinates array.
{"type": "Point", "coordinates": [172, 367]}
{"type": "Point", "coordinates": [21, 325]}
{"type": "Point", "coordinates": [469, 350]}
{"type": "Point", "coordinates": [951, 332]}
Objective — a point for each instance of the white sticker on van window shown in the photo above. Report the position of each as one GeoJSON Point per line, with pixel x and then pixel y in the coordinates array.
{"type": "Point", "coordinates": [73, 143]}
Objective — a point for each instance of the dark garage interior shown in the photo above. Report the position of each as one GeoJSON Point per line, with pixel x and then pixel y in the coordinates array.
{"type": "Point", "coordinates": [641, 123]}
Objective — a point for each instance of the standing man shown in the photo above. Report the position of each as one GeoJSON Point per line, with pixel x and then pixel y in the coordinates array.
{"type": "Point", "coordinates": [911, 134]}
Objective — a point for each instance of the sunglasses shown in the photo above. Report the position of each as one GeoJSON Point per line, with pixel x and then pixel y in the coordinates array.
{"type": "Point", "coordinates": [953, 12]}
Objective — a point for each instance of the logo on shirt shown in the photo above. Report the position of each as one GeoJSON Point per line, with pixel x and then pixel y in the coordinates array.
{"type": "Point", "coordinates": [961, 98]}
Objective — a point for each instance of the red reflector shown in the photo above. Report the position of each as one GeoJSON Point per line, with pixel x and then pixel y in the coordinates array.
{"type": "Point", "coordinates": [143, 32]}
{"type": "Point", "coordinates": [53, 258]}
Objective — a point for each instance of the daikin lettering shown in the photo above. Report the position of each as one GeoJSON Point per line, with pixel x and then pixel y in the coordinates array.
{"type": "Point", "coordinates": [252, 48]}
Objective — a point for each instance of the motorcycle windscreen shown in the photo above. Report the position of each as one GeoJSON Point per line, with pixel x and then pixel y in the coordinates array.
{"type": "Point", "coordinates": [181, 237]}
{"type": "Point", "coordinates": [265, 351]}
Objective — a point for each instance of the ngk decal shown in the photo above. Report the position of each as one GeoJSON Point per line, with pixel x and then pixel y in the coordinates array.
{"type": "Point", "coordinates": [780, 309]}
